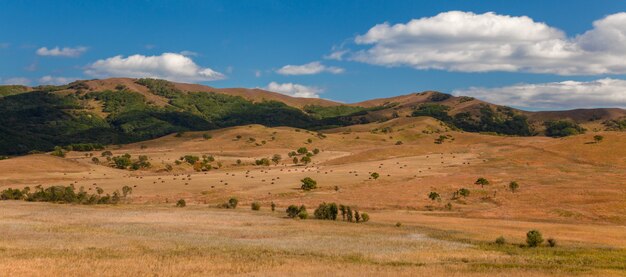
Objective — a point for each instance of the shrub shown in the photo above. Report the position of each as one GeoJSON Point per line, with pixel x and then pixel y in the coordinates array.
{"type": "Point", "coordinates": [482, 182]}
{"type": "Point", "coordinates": [302, 150]}
{"type": "Point", "coordinates": [255, 206]}
{"type": "Point", "coordinates": [398, 224]}
{"type": "Point", "coordinates": [263, 161]}
{"type": "Point", "coordinates": [276, 158]}
{"type": "Point", "coordinates": [598, 138]}
{"type": "Point", "coordinates": [181, 203]}
{"type": "Point", "coordinates": [365, 217]}
{"type": "Point", "coordinates": [551, 242]}
{"type": "Point", "coordinates": [326, 211]}
{"type": "Point", "coordinates": [232, 203]}
{"type": "Point", "coordinates": [292, 211]}
{"type": "Point", "coordinates": [273, 206]}
{"type": "Point", "coordinates": [533, 238]}
{"type": "Point", "coordinates": [316, 151]}
{"type": "Point", "coordinates": [95, 160]}
{"type": "Point", "coordinates": [305, 160]}
{"type": "Point", "coordinates": [308, 184]}
{"type": "Point", "coordinates": [11, 194]}
{"type": "Point", "coordinates": [513, 186]}
{"type": "Point", "coordinates": [375, 175]}
{"type": "Point", "coordinates": [433, 195]}
{"type": "Point", "coordinates": [303, 214]}
{"type": "Point", "coordinates": [500, 240]}
{"type": "Point", "coordinates": [58, 151]}
{"type": "Point", "coordinates": [357, 216]}
{"type": "Point", "coordinates": [122, 162]}
{"type": "Point", "coordinates": [464, 192]}
{"type": "Point", "coordinates": [206, 136]}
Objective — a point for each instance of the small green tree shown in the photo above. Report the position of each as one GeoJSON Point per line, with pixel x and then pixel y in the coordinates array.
{"type": "Point", "coordinates": [482, 182]}
{"type": "Point", "coordinates": [349, 213]}
{"type": "Point", "coordinates": [305, 160]}
{"type": "Point", "coordinates": [534, 238]}
{"type": "Point", "coordinates": [302, 150]}
{"type": "Point", "coordinates": [232, 203]}
{"type": "Point", "coordinates": [342, 208]}
{"type": "Point", "coordinates": [513, 186]}
{"type": "Point", "coordinates": [308, 184]}
{"type": "Point", "coordinates": [276, 158]}
{"type": "Point", "coordinates": [292, 211]}
{"type": "Point", "coordinates": [295, 160]}
{"type": "Point", "coordinates": [58, 151]}
{"type": "Point", "coordinates": [365, 217]}
{"type": "Point", "coordinates": [434, 196]}
{"type": "Point", "coordinates": [255, 206]}
{"type": "Point", "coordinates": [598, 138]}
{"type": "Point", "coordinates": [357, 216]}
{"type": "Point", "coordinates": [375, 175]}
{"type": "Point", "coordinates": [273, 206]}
{"type": "Point", "coordinates": [303, 214]}
{"type": "Point", "coordinates": [181, 203]}
{"type": "Point", "coordinates": [500, 240]}
{"type": "Point", "coordinates": [464, 192]}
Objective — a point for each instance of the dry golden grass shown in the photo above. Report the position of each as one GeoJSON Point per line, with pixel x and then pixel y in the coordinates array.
{"type": "Point", "coordinates": [570, 189]}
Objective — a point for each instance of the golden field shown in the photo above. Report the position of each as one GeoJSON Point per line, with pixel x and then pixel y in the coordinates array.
{"type": "Point", "coordinates": [571, 189]}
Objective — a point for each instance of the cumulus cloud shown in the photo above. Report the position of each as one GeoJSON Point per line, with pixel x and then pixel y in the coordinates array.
{"type": "Point", "coordinates": [61, 52]}
{"type": "Point", "coordinates": [468, 42]}
{"type": "Point", "coordinates": [606, 92]}
{"type": "Point", "coordinates": [169, 66]}
{"type": "Point", "coordinates": [295, 90]}
{"type": "Point", "coordinates": [309, 69]}
{"type": "Point", "coordinates": [52, 80]}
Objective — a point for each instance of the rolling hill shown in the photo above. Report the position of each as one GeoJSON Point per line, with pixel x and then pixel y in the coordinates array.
{"type": "Point", "coordinates": [124, 110]}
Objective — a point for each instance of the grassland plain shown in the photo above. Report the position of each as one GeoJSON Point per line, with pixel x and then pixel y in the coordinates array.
{"type": "Point", "coordinates": [571, 189]}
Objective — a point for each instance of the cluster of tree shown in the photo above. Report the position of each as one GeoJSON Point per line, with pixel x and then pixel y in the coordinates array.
{"type": "Point", "coordinates": [65, 194]}
{"type": "Point", "coordinates": [615, 124]}
{"type": "Point", "coordinates": [563, 128]}
{"type": "Point", "coordinates": [125, 162]}
{"type": "Point", "coordinates": [198, 164]}
{"type": "Point", "coordinates": [502, 120]}
{"type": "Point", "coordinates": [294, 211]}
{"type": "Point", "coordinates": [305, 155]}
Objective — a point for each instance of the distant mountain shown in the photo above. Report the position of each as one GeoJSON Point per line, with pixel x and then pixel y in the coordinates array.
{"type": "Point", "coordinates": [123, 110]}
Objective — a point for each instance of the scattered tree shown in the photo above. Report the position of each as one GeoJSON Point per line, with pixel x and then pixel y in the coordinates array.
{"type": "Point", "coordinates": [181, 203]}
{"type": "Point", "coordinates": [255, 206]}
{"type": "Point", "coordinates": [500, 240]}
{"type": "Point", "coordinates": [308, 184]}
{"type": "Point", "coordinates": [482, 182]}
{"type": "Point", "coordinates": [598, 138]}
{"type": "Point", "coordinates": [375, 175]}
{"type": "Point", "coordinates": [513, 186]}
{"type": "Point", "coordinates": [434, 196]}
{"type": "Point", "coordinates": [276, 159]}
{"type": "Point", "coordinates": [533, 238]}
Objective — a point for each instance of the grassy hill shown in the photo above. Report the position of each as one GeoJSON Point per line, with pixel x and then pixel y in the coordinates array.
{"type": "Point", "coordinates": [123, 110]}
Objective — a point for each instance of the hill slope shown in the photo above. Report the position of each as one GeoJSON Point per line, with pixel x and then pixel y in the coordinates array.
{"type": "Point", "coordinates": [123, 110]}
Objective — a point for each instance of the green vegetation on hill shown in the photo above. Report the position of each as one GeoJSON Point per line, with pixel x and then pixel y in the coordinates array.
{"type": "Point", "coordinates": [502, 120]}
{"type": "Point", "coordinates": [11, 90]}
{"type": "Point", "coordinates": [41, 120]}
{"type": "Point", "coordinates": [563, 128]}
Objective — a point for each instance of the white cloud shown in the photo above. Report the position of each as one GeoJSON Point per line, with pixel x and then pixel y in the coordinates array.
{"type": "Point", "coordinates": [606, 92]}
{"type": "Point", "coordinates": [17, 81]}
{"type": "Point", "coordinates": [309, 69]}
{"type": "Point", "coordinates": [468, 42]}
{"type": "Point", "coordinates": [257, 73]}
{"type": "Point", "coordinates": [4, 45]}
{"type": "Point", "coordinates": [51, 80]}
{"type": "Point", "coordinates": [336, 55]}
{"type": "Point", "coordinates": [295, 90]}
{"type": "Point", "coordinates": [61, 52]}
{"type": "Point", "coordinates": [169, 66]}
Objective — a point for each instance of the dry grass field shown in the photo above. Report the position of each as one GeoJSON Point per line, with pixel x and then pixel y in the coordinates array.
{"type": "Point", "coordinates": [571, 189]}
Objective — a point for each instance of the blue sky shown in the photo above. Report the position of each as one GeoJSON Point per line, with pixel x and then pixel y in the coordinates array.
{"type": "Point", "coordinates": [247, 43]}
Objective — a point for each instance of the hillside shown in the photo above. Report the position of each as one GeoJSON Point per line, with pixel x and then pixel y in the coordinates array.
{"type": "Point", "coordinates": [124, 110]}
